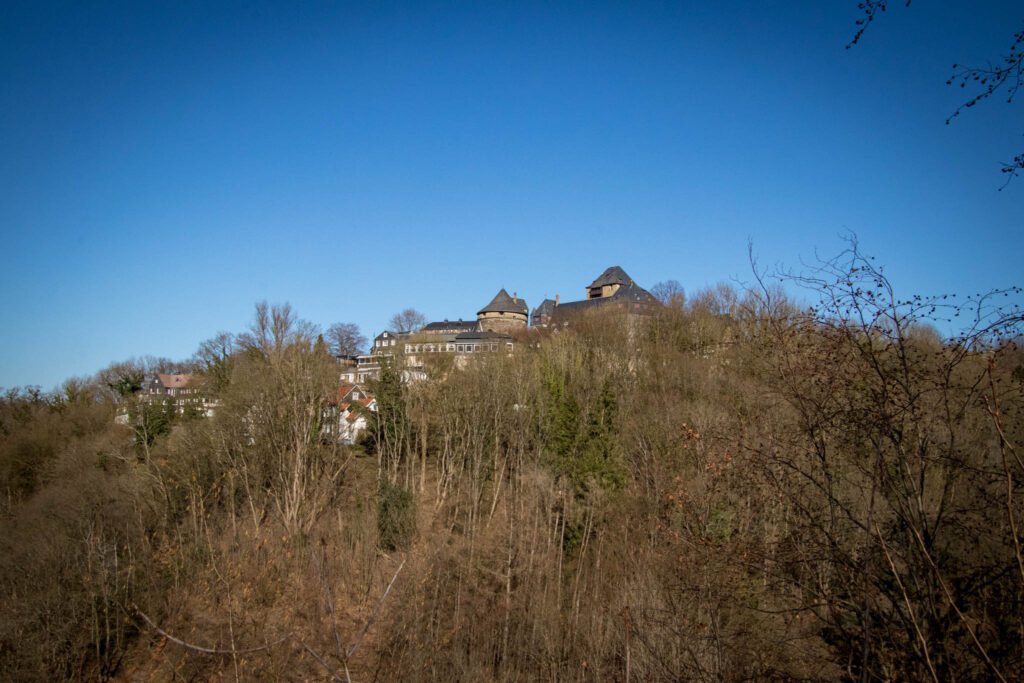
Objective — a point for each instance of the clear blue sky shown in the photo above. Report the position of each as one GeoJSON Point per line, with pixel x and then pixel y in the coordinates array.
{"type": "Point", "coordinates": [164, 165]}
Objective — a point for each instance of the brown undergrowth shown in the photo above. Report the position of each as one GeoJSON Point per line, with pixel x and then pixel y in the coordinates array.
{"type": "Point", "coordinates": [733, 488]}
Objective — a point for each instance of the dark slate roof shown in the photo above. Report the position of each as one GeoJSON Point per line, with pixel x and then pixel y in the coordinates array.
{"type": "Point", "coordinates": [503, 303]}
{"type": "Point", "coordinates": [612, 276]}
{"type": "Point", "coordinates": [487, 334]}
{"type": "Point", "coordinates": [392, 335]}
{"type": "Point", "coordinates": [576, 306]}
{"type": "Point", "coordinates": [547, 307]}
{"type": "Point", "coordinates": [635, 298]}
{"type": "Point", "coordinates": [451, 326]}
{"type": "Point", "coordinates": [634, 294]}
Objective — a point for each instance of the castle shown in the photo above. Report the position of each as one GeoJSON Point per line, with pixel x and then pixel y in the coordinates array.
{"type": "Point", "coordinates": [612, 288]}
{"type": "Point", "coordinates": [496, 325]}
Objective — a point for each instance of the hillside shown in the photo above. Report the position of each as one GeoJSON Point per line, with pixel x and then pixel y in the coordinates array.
{"type": "Point", "coordinates": [731, 487]}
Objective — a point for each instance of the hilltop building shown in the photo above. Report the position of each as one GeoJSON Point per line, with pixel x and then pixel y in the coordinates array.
{"type": "Point", "coordinates": [541, 315]}
{"type": "Point", "coordinates": [490, 332]}
{"type": "Point", "coordinates": [450, 327]}
{"type": "Point", "coordinates": [504, 314]}
{"type": "Point", "coordinates": [612, 288]}
{"type": "Point", "coordinates": [183, 392]}
{"type": "Point", "coordinates": [495, 325]}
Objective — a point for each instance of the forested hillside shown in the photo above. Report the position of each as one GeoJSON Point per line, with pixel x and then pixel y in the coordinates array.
{"type": "Point", "coordinates": [734, 487]}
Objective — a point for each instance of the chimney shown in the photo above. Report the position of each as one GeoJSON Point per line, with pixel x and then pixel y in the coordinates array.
{"type": "Point", "coordinates": [556, 299]}
{"type": "Point", "coordinates": [514, 297]}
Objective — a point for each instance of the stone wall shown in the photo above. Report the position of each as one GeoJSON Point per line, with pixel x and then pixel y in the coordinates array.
{"type": "Point", "coordinates": [501, 322]}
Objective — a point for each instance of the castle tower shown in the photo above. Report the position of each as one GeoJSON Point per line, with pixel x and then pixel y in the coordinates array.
{"type": "Point", "coordinates": [504, 314]}
{"type": "Point", "coordinates": [608, 283]}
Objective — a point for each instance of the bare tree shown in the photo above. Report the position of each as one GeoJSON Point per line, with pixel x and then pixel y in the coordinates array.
{"type": "Point", "coordinates": [126, 378]}
{"type": "Point", "coordinates": [275, 327]}
{"type": "Point", "coordinates": [669, 292]}
{"type": "Point", "coordinates": [271, 421]}
{"type": "Point", "coordinates": [345, 339]}
{"type": "Point", "coordinates": [123, 379]}
{"type": "Point", "coordinates": [892, 471]}
{"type": "Point", "coordinates": [214, 359]}
{"type": "Point", "coordinates": [408, 320]}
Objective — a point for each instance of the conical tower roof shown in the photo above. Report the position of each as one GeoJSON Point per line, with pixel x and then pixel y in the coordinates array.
{"type": "Point", "coordinates": [503, 303]}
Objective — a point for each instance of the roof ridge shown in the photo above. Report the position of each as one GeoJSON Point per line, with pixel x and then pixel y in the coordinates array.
{"type": "Point", "coordinates": [613, 275]}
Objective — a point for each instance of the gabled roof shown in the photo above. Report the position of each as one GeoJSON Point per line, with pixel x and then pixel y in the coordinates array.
{"type": "Point", "coordinates": [174, 381]}
{"type": "Point", "coordinates": [503, 303]}
{"type": "Point", "coordinates": [612, 276]}
{"type": "Point", "coordinates": [343, 392]}
{"type": "Point", "coordinates": [547, 307]}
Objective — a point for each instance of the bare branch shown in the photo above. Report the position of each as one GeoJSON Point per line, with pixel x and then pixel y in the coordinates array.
{"type": "Point", "coordinates": [910, 607]}
{"type": "Point", "coordinates": [330, 605]}
{"type": "Point", "coordinates": [234, 651]}
{"type": "Point", "coordinates": [952, 603]}
{"type": "Point", "coordinates": [334, 674]}
{"type": "Point", "coordinates": [200, 648]}
{"type": "Point", "coordinates": [373, 616]}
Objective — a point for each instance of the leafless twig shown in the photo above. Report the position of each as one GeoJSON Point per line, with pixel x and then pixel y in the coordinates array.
{"type": "Point", "coordinates": [375, 611]}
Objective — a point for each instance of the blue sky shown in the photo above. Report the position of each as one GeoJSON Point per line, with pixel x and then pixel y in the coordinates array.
{"type": "Point", "coordinates": [165, 165]}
